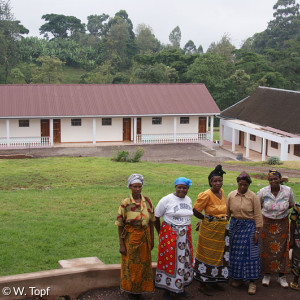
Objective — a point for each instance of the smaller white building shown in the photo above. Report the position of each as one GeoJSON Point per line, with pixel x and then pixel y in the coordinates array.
{"type": "Point", "coordinates": [266, 122]}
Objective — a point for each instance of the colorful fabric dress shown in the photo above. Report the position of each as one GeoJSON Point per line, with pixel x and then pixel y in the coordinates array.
{"type": "Point", "coordinates": [275, 232]}
{"type": "Point", "coordinates": [175, 250]}
{"type": "Point", "coordinates": [244, 255]}
{"type": "Point", "coordinates": [136, 265]}
{"type": "Point", "coordinates": [295, 263]}
{"type": "Point", "coordinates": [212, 254]}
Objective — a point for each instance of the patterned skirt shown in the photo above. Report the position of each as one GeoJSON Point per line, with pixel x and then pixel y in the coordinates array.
{"type": "Point", "coordinates": [175, 258]}
{"type": "Point", "coordinates": [136, 265]}
{"type": "Point", "coordinates": [244, 255]}
{"type": "Point", "coordinates": [275, 246]}
{"type": "Point", "coordinates": [212, 255]}
{"type": "Point", "coordinates": [296, 252]}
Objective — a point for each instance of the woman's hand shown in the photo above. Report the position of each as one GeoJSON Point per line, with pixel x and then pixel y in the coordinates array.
{"type": "Point", "coordinates": [256, 237]}
{"type": "Point", "coordinates": [122, 249]}
{"type": "Point", "coordinates": [198, 226]}
{"type": "Point", "coordinates": [152, 244]}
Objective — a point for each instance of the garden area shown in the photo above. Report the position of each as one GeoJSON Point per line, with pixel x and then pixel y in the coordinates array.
{"type": "Point", "coordinates": [63, 208]}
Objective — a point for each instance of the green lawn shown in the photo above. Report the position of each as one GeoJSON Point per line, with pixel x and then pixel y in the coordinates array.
{"type": "Point", "coordinates": [62, 208]}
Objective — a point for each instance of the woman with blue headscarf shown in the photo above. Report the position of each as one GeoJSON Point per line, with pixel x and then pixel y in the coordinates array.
{"type": "Point", "coordinates": [175, 250]}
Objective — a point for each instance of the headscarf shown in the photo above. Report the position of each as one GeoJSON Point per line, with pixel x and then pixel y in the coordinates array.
{"type": "Point", "coordinates": [135, 178]}
{"type": "Point", "coordinates": [218, 171]}
{"type": "Point", "coordinates": [274, 172]}
{"type": "Point", "coordinates": [183, 180]}
{"type": "Point", "coordinates": [244, 176]}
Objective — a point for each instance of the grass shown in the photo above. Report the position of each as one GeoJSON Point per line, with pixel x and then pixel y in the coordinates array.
{"type": "Point", "coordinates": [62, 208]}
{"type": "Point", "coordinates": [293, 165]}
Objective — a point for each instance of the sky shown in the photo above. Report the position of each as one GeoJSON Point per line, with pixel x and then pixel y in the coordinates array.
{"type": "Point", "coordinates": [202, 21]}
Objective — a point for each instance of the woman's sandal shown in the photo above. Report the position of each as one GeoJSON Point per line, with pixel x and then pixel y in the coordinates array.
{"type": "Point", "coordinates": [295, 286]}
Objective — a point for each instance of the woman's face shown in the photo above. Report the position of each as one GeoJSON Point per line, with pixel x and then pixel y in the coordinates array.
{"type": "Point", "coordinates": [274, 181]}
{"type": "Point", "coordinates": [216, 182]}
{"type": "Point", "coordinates": [136, 189]}
{"type": "Point", "coordinates": [243, 186]}
{"type": "Point", "coordinates": [181, 190]}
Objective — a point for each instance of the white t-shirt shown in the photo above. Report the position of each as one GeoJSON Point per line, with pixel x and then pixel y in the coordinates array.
{"type": "Point", "coordinates": [175, 210]}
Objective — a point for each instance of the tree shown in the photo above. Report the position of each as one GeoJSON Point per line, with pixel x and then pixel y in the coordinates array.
{"type": "Point", "coordinates": [10, 32]}
{"type": "Point", "coordinates": [61, 26]}
{"type": "Point", "coordinates": [284, 26]}
{"type": "Point", "coordinates": [175, 37]}
{"type": "Point", "coordinates": [49, 71]}
{"type": "Point", "coordinates": [223, 47]}
{"type": "Point", "coordinates": [145, 39]}
{"type": "Point", "coordinates": [190, 47]}
{"type": "Point", "coordinates": [96, 25]}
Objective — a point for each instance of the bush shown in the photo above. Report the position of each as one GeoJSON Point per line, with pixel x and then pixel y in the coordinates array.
{"type": "Point", "coordinates": [137, 155]}
{"type": "Point", "coordinates": [123, 156]}
{"type": "Point", "coordinates": [273, 160]}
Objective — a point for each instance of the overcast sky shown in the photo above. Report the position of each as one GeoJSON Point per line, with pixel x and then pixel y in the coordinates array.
{"type": "Point", "coordinates": [202, 21]}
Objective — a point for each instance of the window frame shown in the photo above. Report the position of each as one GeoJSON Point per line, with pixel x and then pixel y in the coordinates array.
{"type": "Point", "coordinates": [274, 145]}
{"type": "Point", "coordinates": [106, 121]}
{"type": "Point", "coordinates": [252, 137]}
{"type": "Point", "coordinates": [184, 120]}
{"type": "Point", "coordinates": [76, 122]}
{"type": "Point", "coordinates": [24, 123]}
{"type": "Point", "coordinates": [156, 120]}
{"type": "Point", "coordinates": [297, 150]}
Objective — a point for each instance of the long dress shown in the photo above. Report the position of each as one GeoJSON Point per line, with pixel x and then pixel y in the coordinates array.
{"type": "Point", "coordinates": [136, 265]}
{"type": "Point", "coordinates": [175, 250]}
{"type": "Point", "coordinates": [244, 255]}
{"type": "Point", "coordinates": [212, 254]}
{"type": "Point", "coordinates": [295, 263]}
{"type": "Point", "coordinates": [275, 232]}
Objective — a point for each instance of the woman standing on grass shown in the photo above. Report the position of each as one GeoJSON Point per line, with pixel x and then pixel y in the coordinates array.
{"type": "Point", "coordinates": [276, 200]}
{"type": "Point", "coordinates": [135, 227]}
{"type": "Point", "coordinates": [175, 250]}
{"type": "Point", "coordinates": [211, 260]}
{"type": "Point", "coordinates": [243, 206]}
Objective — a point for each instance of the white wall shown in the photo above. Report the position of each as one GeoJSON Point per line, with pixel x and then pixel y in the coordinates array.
{"type": "Point", "coordinates": [83, 133]}
{"type": "Point", "coordinates": [2, 128]}
{"type": "Point", "coordinates": [112, 133]}
{"type": "Point", "coordinates": [291, 155]}
{"type": "Point", "coordinates": [192, 127]}
{"type": "Point", "coordinates": [257, 145]}
{"type": "Point", "coordinates": [34, 129]}
{"type": "Point", "coordinates": [228, 135]}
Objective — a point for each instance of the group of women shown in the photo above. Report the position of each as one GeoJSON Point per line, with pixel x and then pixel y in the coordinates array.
{"type": "Point", "coordinates": [239, 239]}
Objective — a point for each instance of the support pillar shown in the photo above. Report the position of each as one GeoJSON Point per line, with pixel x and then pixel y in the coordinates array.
{"type": "Point", "coordinates": [51, 132]}
{"type": "Point", "coordinates": [175, 128]}
{"type": "Point", "coordinates": [7, 133]}
{"type": "Point", "coordinates": [212, 128]}
{"type": "Point", "coordinates": [94, 130]}
{"type": "Point", "coordinates": [247, 144]}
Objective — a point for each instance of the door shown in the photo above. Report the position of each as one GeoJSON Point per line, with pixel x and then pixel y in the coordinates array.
{"type": "Point", "coordinates": [202, 125]}
{"type": "Point", "coordinates": [241, 138]}
{"type": "Point", "coordinates": [45, 128]}
{"type": "Point", "coordinates": [126, 129]}
{"type": "Point", "coordinates": [56, 131]}
{"type": "Point", "coordinates": [139, 126]}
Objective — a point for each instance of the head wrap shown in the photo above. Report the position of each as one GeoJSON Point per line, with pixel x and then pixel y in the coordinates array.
{"type": "Point", "coordinates": [183, 180]}
{"type": "Point", "coordinates": [218, 171]}
{"type": "Point", "coordinates": [135, 178]}
{"type": "Point", "coordinates": [274, 172]}
{"type": "Point", "coordinates": [244, 176]}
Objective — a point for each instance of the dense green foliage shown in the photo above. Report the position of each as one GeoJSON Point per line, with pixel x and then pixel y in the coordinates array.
{"type": "Point", "coordinates": [107, 50]}
{"type": "Point", "coordinates": [63, 208]}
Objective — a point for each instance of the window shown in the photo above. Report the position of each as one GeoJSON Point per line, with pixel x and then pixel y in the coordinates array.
{"type": "Point", "coordinates": [156, 121]}
{"type": "Point", "coordinates": [297, 150]}
{"type": "Point", "coordinates": [184, 120]}
{"type": "Point", "coordinates": [23, 123]}
{"type": "Point", "coordinates": [252, 137]}
{"type": "Point", "coordinates": [274, 145]}
{"type": "Point", "coordinates": [75, 122]}
{"type": "Point", "coordinates": [106, 121]}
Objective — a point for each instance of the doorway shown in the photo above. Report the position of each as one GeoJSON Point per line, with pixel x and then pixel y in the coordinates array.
{"type": "Point", "coordinates": [126, 129]}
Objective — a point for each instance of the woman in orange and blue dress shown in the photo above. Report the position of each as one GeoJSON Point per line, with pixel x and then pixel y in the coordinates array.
{"type": "Point", "coordinates": [135, 227]}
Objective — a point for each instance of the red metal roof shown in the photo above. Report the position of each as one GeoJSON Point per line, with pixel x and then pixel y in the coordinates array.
{"type": "Point", "coordinates": [42, 100]}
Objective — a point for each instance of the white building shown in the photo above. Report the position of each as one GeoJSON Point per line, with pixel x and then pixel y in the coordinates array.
{"type": "Point", "coordinates": [266, 122]}
{"type": "Point", "coordinates": [41, 115]}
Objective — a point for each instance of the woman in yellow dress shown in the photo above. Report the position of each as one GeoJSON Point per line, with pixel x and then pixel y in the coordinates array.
{"type": "Point", "coordinates": [212, 253]}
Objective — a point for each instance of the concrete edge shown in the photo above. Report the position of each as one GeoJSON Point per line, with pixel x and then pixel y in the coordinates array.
{"type": "Point", "coordinates": [53, 284]}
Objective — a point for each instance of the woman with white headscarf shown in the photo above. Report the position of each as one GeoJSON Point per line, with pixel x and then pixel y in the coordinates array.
{"type": "Point", "coordinates": [135, 227]}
